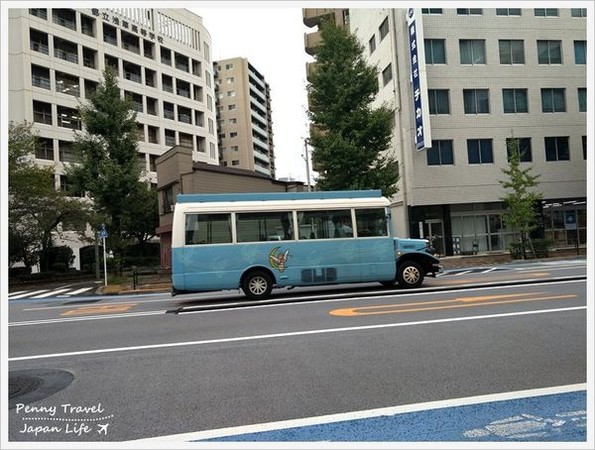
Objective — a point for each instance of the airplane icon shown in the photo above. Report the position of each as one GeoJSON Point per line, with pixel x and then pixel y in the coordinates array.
{"type": "Point", "coordinates": [102, 428]}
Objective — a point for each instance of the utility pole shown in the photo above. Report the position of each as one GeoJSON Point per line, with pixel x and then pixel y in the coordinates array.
{"type": "Point", "coordinates": [307, 158]}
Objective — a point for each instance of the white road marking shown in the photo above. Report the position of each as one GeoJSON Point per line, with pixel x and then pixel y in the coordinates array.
{"type": "Point", "coordinates": [365, 414]}
{"type": "Point", "coordinates": [51, 293]}
{"type": "Point", "coordinates": [28, 294]}
{"type": "Point", "coordinates": [284, 335]}
{"type": "Point", "coordinates": [77, 319]}
{"type": "Point", "coordinates": [78, 291]}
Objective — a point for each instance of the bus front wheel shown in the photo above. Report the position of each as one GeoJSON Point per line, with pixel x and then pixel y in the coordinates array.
{"type": "Point", "coordinates": [410, 274]}
{"type": "Point", "coordinates": [257, 285]}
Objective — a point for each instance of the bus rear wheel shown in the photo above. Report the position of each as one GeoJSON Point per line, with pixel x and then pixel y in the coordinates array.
{"type": "Point", "coordinates": [257, 285]}
{"type": "Point", "coordinates": [410, 275]}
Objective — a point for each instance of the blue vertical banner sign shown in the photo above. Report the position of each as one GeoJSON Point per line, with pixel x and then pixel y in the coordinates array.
{"type": "Point", "coordinates": [422, 134]}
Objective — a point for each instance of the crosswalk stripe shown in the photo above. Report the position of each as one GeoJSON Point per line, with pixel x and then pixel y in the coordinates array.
{"type": "Point", "coordinates": [51, 293]}
{"type": "Point", "coordinates": [78, 291]}
{"type": "Point", "coordinates": [28, 294]}
{"type": "Point", "coordinates": [15, 293]}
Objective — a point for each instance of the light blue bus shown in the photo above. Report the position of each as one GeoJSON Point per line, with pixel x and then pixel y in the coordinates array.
{"type": "Point", "coordinates": [259, 241]}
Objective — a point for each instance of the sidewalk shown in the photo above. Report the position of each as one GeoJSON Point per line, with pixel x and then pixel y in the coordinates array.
{"type": "Point", "coordinates": [159, 284]}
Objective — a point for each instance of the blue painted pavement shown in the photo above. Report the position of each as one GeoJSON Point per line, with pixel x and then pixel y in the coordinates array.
{"type": "Point", "coordinates": [555, 417]}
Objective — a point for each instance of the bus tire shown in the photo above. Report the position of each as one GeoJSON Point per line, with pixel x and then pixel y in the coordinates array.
{"type": "Point", "coordinates": [257, 285]}
{"type": "Point", "coordinates": [410, 274]}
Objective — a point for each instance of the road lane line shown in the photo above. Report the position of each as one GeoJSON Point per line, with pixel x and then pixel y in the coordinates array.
{"type": "Point", "coordinates": [78, 319]}
{"type": "Point", "coordinates": [292, 334]}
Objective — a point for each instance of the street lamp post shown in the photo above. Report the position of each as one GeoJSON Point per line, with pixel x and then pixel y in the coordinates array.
{"type": "Point", "coordinates": [307, 158]}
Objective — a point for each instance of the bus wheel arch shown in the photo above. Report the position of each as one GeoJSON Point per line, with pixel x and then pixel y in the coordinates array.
{"type": "Point", "coordinates": [257, 283]}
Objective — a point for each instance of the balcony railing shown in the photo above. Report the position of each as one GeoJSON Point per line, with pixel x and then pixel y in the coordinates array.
{"type": "Point", "coordinates": [65, 22]}
{"type": "Point", "coordinates": [133, 76]}
{"type": "Point", "coordinates": [65, 55]}
{"type": "Point", "coordinates": [40, 47]}
{"type": "Point", "coordinates": [41, 82]}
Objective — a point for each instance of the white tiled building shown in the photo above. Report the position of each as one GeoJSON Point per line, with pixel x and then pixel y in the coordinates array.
{"type": "Point", "coordinates": [490, 75]}
{"type": "Point", "coordinates": [163, 61]}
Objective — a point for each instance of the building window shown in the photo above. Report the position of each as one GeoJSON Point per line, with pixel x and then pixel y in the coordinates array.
{"type": "Point", "coordinates": [167, 83]}
{"type": "Point", "coordinates": [578, 12]}
{"type": "Point", "coordinates": [184, 115]}
{"type": "Point", "coordinates": [40, 77]}
{"type": "Point", "coordinates": [553, 100]}
{"type": "Point", "coordinates": [201, 144]}
{"type": "Point", "coordinates": [90, 88]}
{"type": "Point", "coordinates": [198, 93]}
{"type": "Point", "coordinates": [584, 147]}
{"type": "Point", "coordinates": [229, 66]}
{"type": "Point", "coordinates": [66, 151]}
{"type": "Point", "coordinates": [148, 49]}
{"type": "Point", "coordinates": [549, 52]}
{"type": "Point", "coordinates": [199, 118]}
{"type": "Point", "coordinates": [38, 41]}
{"type": "Point", "coordinates": [387, 75]}
{"type": "Point", "coordinates": [511, 52]}
{"type": "Point", "coordinates": [151, 106]}
{"type": "Point", "coordinates": [546, 12]}
{"type": "Point", "coordinates": [580, 52]}
{"type": "Point", "coordinates": [153, 134]}
{"type": "Point", "coordinates": [64, 17]}
{"type": "Point", "coordinates": [44, 149]}
{"type": "Point", "coordinates": [165, 56]}
{"type": "Point", "coordinates": [476, 101]}
{"type": "Point", "coordinates": [89, 58]}
{"type": "Point", "coordinates": [439, 103]}
{"type": "Point", "coordinates": [383, 29]}
{"type": "Point", "coordinates": [150, 76]}
{"type": "Point", "coordinates": [66, 50]}
{"type": "Point", "coordinates": [229, 80]}
{"type": "Point", "coordinates": [196, 68]}
{"type": "Point", "coordinates": [479, 151]}
{"type": "Point", "coordinates": [522, 146]}
{"type": "Point", "coordinates": [182, 88]}
{"type": "Point", "coordinates": [130, 42]}
{"type": "Point", "coordinates": [469, 11]}
{"type": "Point", "coordinates": [42, 13]}
{"type": "Point", "coordinates": [168, 111]}
{"type": "Point", "coordinates": [372, 44]}
{"type": "Point", "coordinates": [431, 10]}
{"type": "Point", "coordinates": [68, 118]}
{"type": "Point", "coordinates": [182, 62]}
{"type": "Point", "coordinates": [132, 72]}
{"type": "Point", "coordinates": [186, 140]}
{"type": "Point", "coordinates": [153, 163]}
{"type": "Point", "coordinates": [170, 138]}
{"type": "Point", "coordinates": [235, 162]}
{"type": "Point", "coordinates": [110, 34]}
{"type": "Point", "coordinates": [508, 11]}
{"type": "Point", "coordinates": [42, 112]}
{"type": "Point", "coordinates": [168, 199]}
{"type": "Point", "coordinates": [88, 25]}
{"type": "Point", "coordinates": [556, 148]}
{"type": "Point", "coordinates": [136, 101]}
{"type": "Point", "coordinates": [582, 99]}
{"type": "Point", "coordinates": [440, 153]}
{"type": "Point", "coordinates": [515, 100]}
{"type": "Point", "coordinates": [231, 107]}
{"type": "Point", "coordinates": [113, 63]}
{"type": "Point", "coordinates": [435, 51]}
{"type": "Point", "coordinates": [68, 84]}
{"type": "Point", "coordinates": [472, 51]}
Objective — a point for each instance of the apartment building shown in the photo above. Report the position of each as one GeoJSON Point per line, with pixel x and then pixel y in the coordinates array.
{"type": "Point", "coordinates": [244, 118]}
{"type": "Point", "coordinates": [464, 82]}
{"type": "Point", "coordinates": [163, 62]}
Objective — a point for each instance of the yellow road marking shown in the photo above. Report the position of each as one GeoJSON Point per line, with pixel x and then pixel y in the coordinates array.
{"type": "Point", "coordinates": [101, 309]}
{"type": "Point", "coordinates": [463, 302]}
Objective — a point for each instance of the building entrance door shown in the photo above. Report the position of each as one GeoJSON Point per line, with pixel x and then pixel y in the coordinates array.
{"type": "Point", "coordinates": [436, 235]}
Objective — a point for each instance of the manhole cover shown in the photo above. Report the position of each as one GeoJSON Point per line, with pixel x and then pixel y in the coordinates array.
{"type": "Point", "coordinates": [27, 386]}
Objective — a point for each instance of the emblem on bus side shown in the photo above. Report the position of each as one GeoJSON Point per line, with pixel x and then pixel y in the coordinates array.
{"type": "Point", "coordinates": [278, 259]}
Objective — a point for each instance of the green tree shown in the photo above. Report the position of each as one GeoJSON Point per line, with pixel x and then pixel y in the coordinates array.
{"type": "Point", "coordinates": [107, 166]}
{"type": "Point", "coordinates": [520, 199]}
{"type": "Point", "coordinates": [349, 138]}
{"type": "Point", "coordinates": [142, 214]}
{"type": "Point", "coordinates": [35, 208]}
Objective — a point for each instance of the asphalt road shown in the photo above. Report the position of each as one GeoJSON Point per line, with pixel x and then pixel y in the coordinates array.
{"type": "Point", "coordinates": [150, 366]}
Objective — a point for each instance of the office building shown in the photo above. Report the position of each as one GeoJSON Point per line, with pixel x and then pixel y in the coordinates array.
{"type": "Point", "coordinates": [464, 82]}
